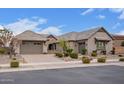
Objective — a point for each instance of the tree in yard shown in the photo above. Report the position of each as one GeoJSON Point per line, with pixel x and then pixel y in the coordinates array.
{"type": "Point", "coordinates": [63, 44]}
{"type": "Point", "coordinates": [66, 49]}
{"type": "Point", "coordinates": [6, 37]}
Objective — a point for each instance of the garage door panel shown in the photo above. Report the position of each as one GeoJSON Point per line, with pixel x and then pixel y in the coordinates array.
{"type": "Point", "coordinates": [30, 47]}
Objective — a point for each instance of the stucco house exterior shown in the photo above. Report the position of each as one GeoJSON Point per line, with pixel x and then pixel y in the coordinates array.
{"type": "Point", "coordinates": [93, 39]}
{"type": "Point", "coordinates": [30, 42]}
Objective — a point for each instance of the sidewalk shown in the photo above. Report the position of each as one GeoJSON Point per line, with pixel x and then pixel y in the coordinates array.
{"type": "Point", "coordinates": [55, 65]}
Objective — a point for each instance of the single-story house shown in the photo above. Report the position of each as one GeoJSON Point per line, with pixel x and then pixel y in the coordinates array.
{"type": "Point", "coordinates": [117, 45]}
{"type": "Point", "coordinates": [94, 39]}
{"type": "Point", "coordinates": [30, 42]}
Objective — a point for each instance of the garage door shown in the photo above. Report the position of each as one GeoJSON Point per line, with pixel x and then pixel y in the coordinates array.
{"type": "Point", "coordinates": [31, 47]}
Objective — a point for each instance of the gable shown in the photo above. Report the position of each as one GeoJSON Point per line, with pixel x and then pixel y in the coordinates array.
{"type": "Point", "coordinates": [51, 37]}
{"type": "Point", "coordinates": [102, 33]}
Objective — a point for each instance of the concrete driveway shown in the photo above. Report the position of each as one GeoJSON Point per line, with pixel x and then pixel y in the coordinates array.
{"type": "Point", "coordinates": [87, 75]}
{"type": "Point", "coordinates": [38, 58]}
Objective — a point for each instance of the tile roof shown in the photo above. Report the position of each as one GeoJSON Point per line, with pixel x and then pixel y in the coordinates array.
{"type": "Point", "coordinates": [30, 35]}
{"type": "Point", "coordinates": [80, 35]}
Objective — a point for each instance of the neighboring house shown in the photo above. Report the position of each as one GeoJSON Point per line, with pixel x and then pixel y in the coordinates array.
{"type": "Point", "coordinates": [32, 43]}
{"type": "Point", "coordinates": [117, 42]}
{"type": "Point", "coordinates": [93, 39]}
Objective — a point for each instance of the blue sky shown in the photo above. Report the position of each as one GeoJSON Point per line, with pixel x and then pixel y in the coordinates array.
{"type": "Point", "coordinates": [62, 20]}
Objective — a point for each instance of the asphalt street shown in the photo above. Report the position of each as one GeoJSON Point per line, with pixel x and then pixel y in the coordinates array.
{"type": "Point", "coordinates": [85, 75]}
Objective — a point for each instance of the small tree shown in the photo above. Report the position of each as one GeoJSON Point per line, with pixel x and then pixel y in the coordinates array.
{"type": "Point", "coordinates": [63, 44]}
{"type": "Point", "coordinates": [6, 38]}
{"type": "Point", "coordinates": [122, 43]}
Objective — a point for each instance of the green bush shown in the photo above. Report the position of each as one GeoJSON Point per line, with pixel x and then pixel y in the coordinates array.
{"type": "Point", "coordinates": [85, 60]}
{"type": "Point", "coordinates": [2, 50]}
{"type": "Point", "coordinates": [84, 50]}
{"type": "Point", "coordinates": [101, 60]}
{"type": "Point", "coordinates": [13, 58]}
{"type": "Point", "coordinates": [84, 57]}
{"type": "Point", "coordinates": [59, 54]}
{"type": "Point", "coordinates": [14, 64]}
{"type": "Point", "coordinates": [74, 55]}
{"type": "Point", "coordinates": [120, 55]}
{"type": "Point", "coordinates": [69, 51]}
{"type": "Point", "coordinates": [94, 54]}
{"type": "Point", "coordinates": [121, 59]}
{"type": "Point", "coordinates": [66, 54]}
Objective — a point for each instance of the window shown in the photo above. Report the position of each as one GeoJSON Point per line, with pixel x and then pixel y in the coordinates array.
{"type": "Point", "coordinates": [100, 45]}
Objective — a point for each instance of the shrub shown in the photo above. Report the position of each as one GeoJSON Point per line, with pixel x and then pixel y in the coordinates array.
{"type": "Point", "coordinates": [69, 51]}
{"type": "Point", "coordinates": [2, 50]}
{"type": "Point", "coordinates": [94, 53]}
{"type": "Point", "coordinates": [59, 54]}
{"type": "Point", "coordinates": [14, 64]}
{"type": "Point", "coordinates": [84, 50]}
{"type": "Point", "coordinates": [66, 54]}
{"type": "Point", "coordinates": [74, 55]}
{"type": "Point", "coordinates": [101, 60]}
{"type": "Point", "coordinates": [85, 60]}
{"type": "Point", "coordinates": [84, 57]}
{"type": "Point", "coordinates": [13, 58]}
{"type": "Point", "coordinates": [120, 55]}
{"type": "Point", "coordinates": [121, 59]}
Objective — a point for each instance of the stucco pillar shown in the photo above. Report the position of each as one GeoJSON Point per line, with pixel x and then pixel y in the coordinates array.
{"type": "Point", "coordinates": [17, 49]}
{"type": "Point", "coordinates": [45, 46]}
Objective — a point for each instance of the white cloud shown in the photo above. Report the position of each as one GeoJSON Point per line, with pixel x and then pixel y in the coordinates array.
{"type": "Point", "coordinates": [52, 30]}
{"type": "Point", "coordinates": [116, 25]}
{"type": "Point", "coordinates": [122, 15]}
{"type": "Point", "coordinates": [26, 24]}
{"type": "Point", "coordinates": [118, 10]}
{"type": "Point", "coordinates": [101, 16]}
{"type": "Point", "coordinates": [87, 11]}
{"type": "Point", "coordinates": [120, 33]}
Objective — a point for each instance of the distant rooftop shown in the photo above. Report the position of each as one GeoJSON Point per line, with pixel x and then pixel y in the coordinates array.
{"type": "Point", "coordinates": [118, 37]}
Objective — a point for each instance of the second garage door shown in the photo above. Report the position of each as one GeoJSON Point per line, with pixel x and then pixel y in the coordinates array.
{"type": "Point", "coordinates": [31, 47]}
